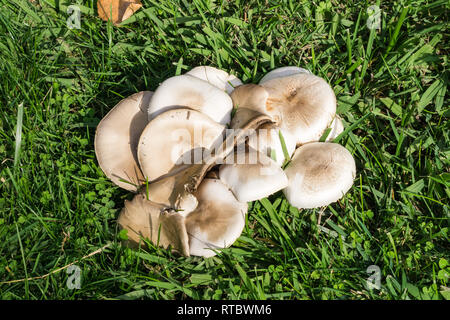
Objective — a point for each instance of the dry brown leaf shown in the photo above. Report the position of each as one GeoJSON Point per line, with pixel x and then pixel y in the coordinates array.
{"type": "Point", "coordinates": [118, 10]}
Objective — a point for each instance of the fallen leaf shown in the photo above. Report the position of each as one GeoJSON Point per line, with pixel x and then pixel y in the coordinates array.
{"type": "Point", "coordinates": [117, 10]}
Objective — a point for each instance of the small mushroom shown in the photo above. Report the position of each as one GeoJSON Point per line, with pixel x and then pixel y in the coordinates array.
{"type": "Point", "coordinates": [192, 92]}
{"type": "Point", "coordinates": [216, 77]}
{"type": "Point", "coordinates": [116, 140]}
{"type": "Point", "coordinates": [176, 139]}
{"type": "Point", "coordinates": [319, 173]}
{"type": "Point", "coordinates": [283, 72]}
{"type": "Point", "coordinates": [217, 221]}
{"type": "Point", "coordinates": [252, 97]}
{"type": "Point", "coordinates": [144, 219]}
{"type": "Point", "coordinates": [337, 127]}
{"type": "Point", "coordinates": [252, 175]}
{"type": "Point", "coordinates": [268, 139]}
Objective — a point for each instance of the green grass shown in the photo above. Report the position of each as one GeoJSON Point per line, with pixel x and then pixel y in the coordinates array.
{"type": "Point", "coordinates": [56, 205]}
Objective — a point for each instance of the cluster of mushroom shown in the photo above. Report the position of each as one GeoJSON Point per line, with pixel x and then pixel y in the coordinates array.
{"type": "Point", "coordinates": [204, 144]}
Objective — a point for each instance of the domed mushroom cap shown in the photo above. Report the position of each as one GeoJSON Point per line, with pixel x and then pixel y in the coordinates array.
{"type": "Point", "coordinates": [189, 91]}
{"type": "Point", "coordinates": [252, 176]}
{"type": "Point", "coordinates": [176, 139]}
{"type": "Point", "coordinates": [116, 140]}
{"type": "Point", "coordinates": [306, 103]}
{"type": "Point", "coordinates": [283, 72]}
{"type": "Point", "coordinates": [217, 221]}
{"type": "Point", "coordinates": [319, 173]}
{"type": "Point", "coordinates": [216, 77]}
{"type": "Point", "coordinates": [267, 140]}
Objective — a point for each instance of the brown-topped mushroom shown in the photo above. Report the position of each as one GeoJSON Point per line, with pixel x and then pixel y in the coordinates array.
{"type": "Point", "coordinates": [319, 173]}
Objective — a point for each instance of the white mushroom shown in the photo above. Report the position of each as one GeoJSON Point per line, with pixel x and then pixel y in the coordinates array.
{"type": "Point", "coordinates": [252, 175]}
{"type": "Point", "coordinates": [283, 72]}
{"type": "Point", "coordinates": [305, 103]}
{"type": "Point", "coordinates": [302, 104]}
{"type": "Point", "coordinates": [189, 91]}
{"type": "Point", "coordinates": [252, 97]}
{"type": "Point", "coordinates": [217, 221]}
{"type": "Point", "coordinates": [268, 139]}
{"type": "Point", "coordinates": [216, 77]}
{"type": "Point", "coordinates": [116, 140]}
{"type": "Point", "coordinates": [319, 173]}
{"type": "Point", "coordinates": [337, 127]}
{"type": "Point", "coordinates": [176, 139]}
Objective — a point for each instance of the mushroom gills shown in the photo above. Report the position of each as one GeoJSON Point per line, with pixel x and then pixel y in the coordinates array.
{"type": "Point", "coordinates": [176, 139]}
{"type": "Point", "coordinates": [116, 140]}
{"type": "Point", "coordinates": [175, 189]}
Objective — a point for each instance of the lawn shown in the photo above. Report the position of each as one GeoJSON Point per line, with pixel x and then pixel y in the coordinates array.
{"type": "Point", "coordinates": [390, 76]}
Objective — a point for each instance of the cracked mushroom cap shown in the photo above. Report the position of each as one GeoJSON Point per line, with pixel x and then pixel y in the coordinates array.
{"type": "Point", "coordinates": [192, 92]}
{"type": "Point", "coordinates": [306, 104]}
{"type": "Point", "coordinates": [116, 140]}
{"type": "Point", "coordinates": [319, 173]}
{"type": "Point", "coordinates": [217, 221]}
{"type": "Point", "coordinates": [252, 175]}
{"type": "Point", "coordinates": [283, 72]}
{"type": "Point", "coordinates": [174, 140]}
{"type": "Point", "coordinates": [267, 140]}
{"type": "Point", "coordinates": [216, 77]}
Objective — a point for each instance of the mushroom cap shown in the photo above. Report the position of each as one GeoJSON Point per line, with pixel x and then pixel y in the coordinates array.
{"type": "Point", "coordinates": [337, 127]}
{"type": "Point", "coordinates": [174, 140]}
{"type": "Point", "coordinates": [319, 173]}
{"type": "Point", "coordinates": [266, 139]}
{"type": "Point", "coordinates": [306, 104]}
{"type": "Point", "coordinates": [217, 221]}
{"type": "Point", "coordinates": [145, 219]}
{"type": "Point", "coordinates": [283, 72]}
{"type": "Point", "coordinates": [251, 96]}
{"type": "Point", "coordinates": [216, 77]}
{"type": "Point", "coordinates": [252, 175]}
{"type": "Point", "coordinates": [192, 92]}
{"type": "Point", "coordinates": [116, 140]}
